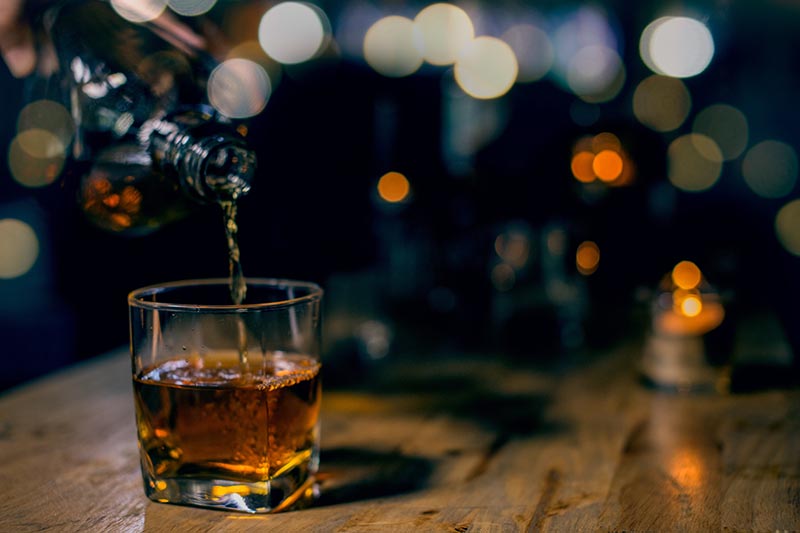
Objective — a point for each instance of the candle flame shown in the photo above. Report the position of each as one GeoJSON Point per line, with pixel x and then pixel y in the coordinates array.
{"type": "Point", "coordinates": [691, 306]}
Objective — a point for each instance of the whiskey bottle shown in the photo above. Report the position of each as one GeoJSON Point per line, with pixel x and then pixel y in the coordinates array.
{"type": "Point", "coordinates": [137, 94]}
{"type": "Point", "coordinates": [174, 164]}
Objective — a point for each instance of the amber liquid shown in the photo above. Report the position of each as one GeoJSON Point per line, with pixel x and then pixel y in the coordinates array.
{"type": "Point", "coordinates": [238, 285]}
{"type": "Point", "coordinates": [207, 419]}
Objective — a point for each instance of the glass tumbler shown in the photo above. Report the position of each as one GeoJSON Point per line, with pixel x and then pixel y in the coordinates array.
{"type": "Point", "coordinates": [227, 396]}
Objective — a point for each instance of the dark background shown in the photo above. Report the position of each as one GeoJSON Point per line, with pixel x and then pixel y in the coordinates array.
{"type": "Point", "coordinates": [332, 127]}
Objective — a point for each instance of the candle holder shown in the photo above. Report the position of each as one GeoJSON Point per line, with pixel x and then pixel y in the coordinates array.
{"type": "Point", "coordinates": [683, 351]}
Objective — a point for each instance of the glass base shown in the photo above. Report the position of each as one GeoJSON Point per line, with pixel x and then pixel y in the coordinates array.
{"type": "Point", "coordinates": [294, 490]}
{"type": "Point", "coordinates": [680, 364]}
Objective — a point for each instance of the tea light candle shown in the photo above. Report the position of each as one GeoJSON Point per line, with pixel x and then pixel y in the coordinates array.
{"type": "Point", "coordinates": [689, 306]}
{"type": "Point", "coordinates": [685, 310]}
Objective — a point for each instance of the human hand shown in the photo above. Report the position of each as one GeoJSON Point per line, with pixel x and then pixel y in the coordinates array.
{"type": "Point", "coordinates": [16, 39]}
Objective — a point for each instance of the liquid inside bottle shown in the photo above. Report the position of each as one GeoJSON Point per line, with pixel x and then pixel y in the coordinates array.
{"type": "Point", "coordinates": [156, 148]}
{"type": "Point", "coordinates": [139, 103]}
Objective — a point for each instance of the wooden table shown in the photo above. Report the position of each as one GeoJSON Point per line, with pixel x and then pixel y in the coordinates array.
{"type": "Point", "coordinates": [473, 445]}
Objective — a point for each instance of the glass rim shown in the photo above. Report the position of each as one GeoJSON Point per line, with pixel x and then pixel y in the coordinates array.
{"type": "Point", "coordinates": [134, 297]}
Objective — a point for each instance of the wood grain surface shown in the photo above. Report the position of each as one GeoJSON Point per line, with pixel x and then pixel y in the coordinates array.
{"type": "Point", "coordinates": [444, 444]}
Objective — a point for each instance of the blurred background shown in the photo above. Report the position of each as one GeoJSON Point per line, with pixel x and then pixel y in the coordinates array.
{"type": "Point", "coordinates": [501, 177]}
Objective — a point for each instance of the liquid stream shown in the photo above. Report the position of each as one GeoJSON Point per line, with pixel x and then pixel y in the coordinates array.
{"type": "Point", "coordinates": [238, 284]}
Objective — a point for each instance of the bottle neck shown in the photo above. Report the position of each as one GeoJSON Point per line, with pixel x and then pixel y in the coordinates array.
{"type": "Point", "coordinates": [214, 168]}
{"type": "Point", "coordinates": [210, 160]}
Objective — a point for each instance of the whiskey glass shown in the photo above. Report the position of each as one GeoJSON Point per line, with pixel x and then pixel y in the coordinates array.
{"type": "Point", "coordinates": [227, 397]}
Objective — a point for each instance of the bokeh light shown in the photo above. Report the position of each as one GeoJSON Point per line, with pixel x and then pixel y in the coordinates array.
{"type": "Point", "coordinates": [503, 277]}
{"type": "Point", "coordinates": [603, 158]}
{"type": "Point", "coordinates": [645, 40]}
{"type": "Point", "coordinates": [694, 162]}
{"type": "Point", "coordinates": [556, 241]}
{"type": "Point", "coordinates": [680, 47]}
{"type": "Point", "coordinates": [252, 51]}
{"type": "Point", "coordinates": [581, 167]}
{"type": "Point", "coordinates": [607, 165]}
{"type": "Point", "coordinates": [691, 305]}
{"type": "Point", "coordinates": [191, 8]}
{"type": "Point", "coordinates": [50, 116]}
{"type": "Point", "coordinates": [19, 248]}
{"type": "Point", "coordinates": [486, 68]}
{"type": "Point", "coordinates": [661, 103]}
{"type": "Point", "coordinates": [586, 60]}
{"type": "Point", "coordinates": [393, 187]}
{"type": "Point", "coordinates": [239, 88]}
{"type": "Point", "coordinates": [606, 141]}
{"type": "Point", "coordinates": [596, 74]}
{"type": "Point", "coordinates": [36, 157]}
{"type": "Point", "coordinates": [513, 247]}
{"type": "Point", "coordinates": [726, 125]}
{"type": "Point", "coordinates": [292, 32]}
{"type": "Point", "coordinates": [582, 27]}
{"type": "Point", "coordinates": [139, 10]}
{"type": "Point", "coordinates": [393, 47]}
{"type": "Point", "coordinates": [533, 50]}
{"type": "Point", "coordinates": [587, 257]}
{"type": "Point", "coordinates": [692, 313]}
{"type": "Point", "coordinates": [686, 275]}
{"type": "Point", "coordinates": [444, 30]}
{"type": "Point", "coordinates": [787, 226]}
{"type": "Point", "coordinates": [770, 169]}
